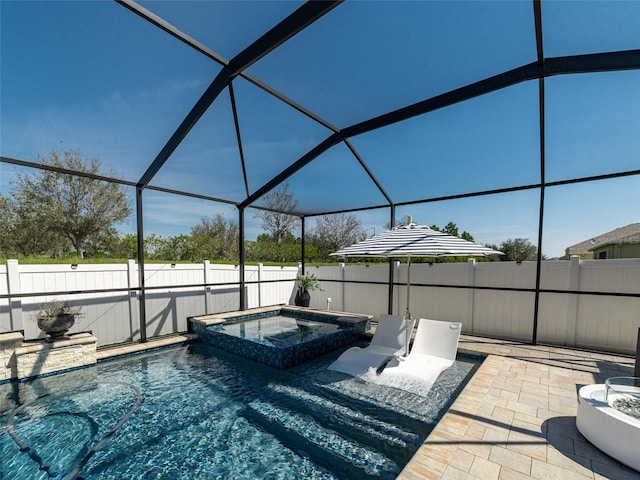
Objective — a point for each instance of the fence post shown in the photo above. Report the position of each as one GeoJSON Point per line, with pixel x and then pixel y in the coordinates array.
{"type": "Point", "coordinates": [13, 287]}
{"type": "Point", "coordinates": [134, 308]}
{"type": "Point", "coordinates": [396, 277]}
{"type": "Point", "coordinates": [572, 301]}
{"type": "Point", "coordinates": [342, 287]}
{"type": "Point", "coordinates": [471, 280]}
{"type": "Point", "coordinates": [260, 274]}
{"type": "Point", "coordinates": [207, 289]}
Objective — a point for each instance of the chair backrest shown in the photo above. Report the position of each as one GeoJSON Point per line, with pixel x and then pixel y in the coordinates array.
{"type": "Point", "coordinates": [437, 338]}
{"type": "Point", "coordinates": [391, 331]}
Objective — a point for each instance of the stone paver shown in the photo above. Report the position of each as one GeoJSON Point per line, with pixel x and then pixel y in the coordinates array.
{"type": "Point", "coordinates": [515, 419]}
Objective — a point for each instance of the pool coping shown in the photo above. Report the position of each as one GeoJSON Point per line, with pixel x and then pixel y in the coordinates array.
{"type": "Point", "coordinates": [112, 352]}
{"type": "Point", "coordinates": [217, 318]}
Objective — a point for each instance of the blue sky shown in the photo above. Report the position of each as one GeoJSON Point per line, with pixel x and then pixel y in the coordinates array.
{"type": "Point", "coordinates": [93, 76]}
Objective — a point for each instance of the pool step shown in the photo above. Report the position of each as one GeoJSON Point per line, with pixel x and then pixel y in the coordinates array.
{"type": "Point", "coordinates": [355, 421]}
{"type": "Point", "coordinates": [302, 409]}
{"type": "Point", "coordinates": [331, 449]}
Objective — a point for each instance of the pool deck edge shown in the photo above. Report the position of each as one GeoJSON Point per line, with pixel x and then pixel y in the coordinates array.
{"type": "Point", "coordinates": [131, 348]}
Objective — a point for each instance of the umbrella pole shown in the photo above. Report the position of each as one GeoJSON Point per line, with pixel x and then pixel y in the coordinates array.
{"type": "Point", "coordinates": [407, 317]}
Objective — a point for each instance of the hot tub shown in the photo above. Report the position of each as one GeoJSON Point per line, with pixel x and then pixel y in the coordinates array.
{"type": "Point", "coordinates": [280, 336]}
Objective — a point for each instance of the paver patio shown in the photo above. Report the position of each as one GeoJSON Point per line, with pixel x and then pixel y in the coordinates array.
{"type": "Point", "coordinates": [516, 417]}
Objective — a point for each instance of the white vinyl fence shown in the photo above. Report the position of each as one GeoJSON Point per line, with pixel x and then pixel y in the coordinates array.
{"type": "Point", "coordinates": [114, 317]}
{"type": "Point", "coordinates": [589, 320]}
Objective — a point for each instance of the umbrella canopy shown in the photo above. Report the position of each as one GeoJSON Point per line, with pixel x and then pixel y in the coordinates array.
{"type": "Point", "coordinates": [413, 240]}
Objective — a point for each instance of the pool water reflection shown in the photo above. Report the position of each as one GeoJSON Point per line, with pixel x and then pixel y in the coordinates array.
{"type": "Point", "coordinates": [207, 414]}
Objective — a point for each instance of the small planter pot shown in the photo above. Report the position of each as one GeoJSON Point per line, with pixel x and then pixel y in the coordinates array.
{"type": "Point", "coordinates": [56, 327]}
{"type": "Point", "coordinates": [302, 299]}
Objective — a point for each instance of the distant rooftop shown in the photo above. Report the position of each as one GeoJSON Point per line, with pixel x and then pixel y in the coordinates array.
{"type": "Point", "coordinates": [627, 234]}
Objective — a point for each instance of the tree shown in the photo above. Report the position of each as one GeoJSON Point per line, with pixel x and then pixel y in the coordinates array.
{"type": "Point", "coordinates": [467, 236]}
{"type": "Point", "coordinates": [124, 246]}
{"type": "Point", "coordinates": [23, 230]}
{"type": "Point", "coordinates": [451, 229]}
{"type": "Point", "coordinates": [517, 250]}
{"type": "Point", "coordinates": [334, 232]}
{"type": "Point", "coordinates": [103, 243]}
{"type": "Point", "coordinates": [181, 248]}
{"type": "Point", "coordinates": [265, 249]}
{"type": "Point", "coordinates": [51, 207]}
{"type": "Point", "coordinates": [274, 221]}
{"type": "Point", "coordinates": [216, 237]}
{"type": "Point", "coordinates": [154, 245]}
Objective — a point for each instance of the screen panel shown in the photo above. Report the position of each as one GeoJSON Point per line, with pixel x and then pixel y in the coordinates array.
{"type": "Point", "coordinates": [117, 93]}
{"type": "Point", "coordinates": [363, 59]}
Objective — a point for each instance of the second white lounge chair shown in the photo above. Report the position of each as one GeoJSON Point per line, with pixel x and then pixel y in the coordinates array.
{"type": "Point", "coordinates": [389, 340]}
{"type": "Point", "coordinates": [434, 350]}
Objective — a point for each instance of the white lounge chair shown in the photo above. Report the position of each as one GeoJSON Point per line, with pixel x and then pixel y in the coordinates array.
{"type": "Point", "coordinates": [389, 340]}
{"type": "Point", "coordinates": [434, 350]}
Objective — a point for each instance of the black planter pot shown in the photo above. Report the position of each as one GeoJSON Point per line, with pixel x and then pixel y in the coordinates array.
{"type": "Point", "coordinates": [56, 327]}
{"type": "Point", "coordinates": [302, 299]}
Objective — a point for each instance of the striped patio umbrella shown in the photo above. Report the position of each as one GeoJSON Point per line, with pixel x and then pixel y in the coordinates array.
{"type": "Point", "coordinates": [413, 240]}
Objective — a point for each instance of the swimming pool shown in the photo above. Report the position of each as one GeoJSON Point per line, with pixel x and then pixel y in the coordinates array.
{"type": "Point", "coordinates": [204, 413]}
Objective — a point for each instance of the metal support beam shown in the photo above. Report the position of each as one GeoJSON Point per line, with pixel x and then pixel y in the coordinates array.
{"type": "Point", "coordinates": [162, 24]}
{"type": "Point", "coordinates": [297, 21]}
{"type": "Point", "coordinates": [319, 149]}
{"type": "Point", "coordinates": [201, 106]}
{"type": "Point", "coordinates": [283, 98]}
{"type": "Point", "coordinates": [65, 171]}
{"type": "Point", "coordinates": [541, 120]}
{"type": "Point", "coordinates": [537, 16]}
{"type": "Point", "coordinates": [234, 110]}
{"type": "Point", "coordinates": [368, 171]}
{"type": "Point", "coordinates": [287, 28]}
{"type": "Point", "coordinates": [302, 221]}
{"type": "Point", "coordinates": [241, 257]}
{"type": "Point", "coordinates": [599, 62]}
{"type": "Point", "coordinates": [141, 296]}
{"type": "Point", "coordinates": [203, 49]}
{"type": "Point", "coordinates": [392, 222]}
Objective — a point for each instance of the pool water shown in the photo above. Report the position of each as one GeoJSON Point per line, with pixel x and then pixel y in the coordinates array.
{"type": "Point", "coordinates": [195, 412]}
{"type": "Point", "coordinates": [278, 331]}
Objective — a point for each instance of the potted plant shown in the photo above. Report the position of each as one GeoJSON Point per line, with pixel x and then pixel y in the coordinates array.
{"type": "Point", "coordinates": [55, 318]}
{"type": "Point", "coordinates": [305, 284]}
